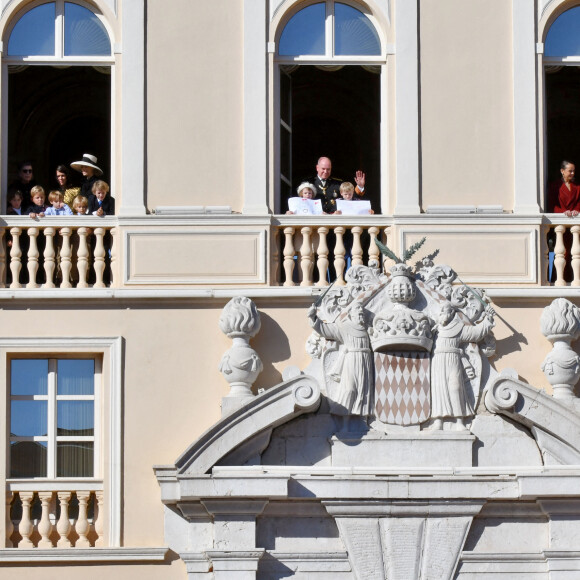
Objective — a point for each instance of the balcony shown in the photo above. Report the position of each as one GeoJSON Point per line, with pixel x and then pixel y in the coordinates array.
{"type": "Point", "coordinates": [209, 254]}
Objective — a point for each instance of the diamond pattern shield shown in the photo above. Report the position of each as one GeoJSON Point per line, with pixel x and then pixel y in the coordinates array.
{"type": "Point", "coordinates": [402, 387]}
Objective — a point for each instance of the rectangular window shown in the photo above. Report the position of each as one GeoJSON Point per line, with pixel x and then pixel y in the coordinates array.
{"type": "Point", "coordinates": [54, 417]}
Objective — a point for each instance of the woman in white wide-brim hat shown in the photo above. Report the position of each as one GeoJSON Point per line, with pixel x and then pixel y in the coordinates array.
{"type": "Point", "coordinates": [90, 170]}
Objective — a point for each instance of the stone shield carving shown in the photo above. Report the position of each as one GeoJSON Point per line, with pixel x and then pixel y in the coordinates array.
{"type": "Point", "coordinates": [402, 387]}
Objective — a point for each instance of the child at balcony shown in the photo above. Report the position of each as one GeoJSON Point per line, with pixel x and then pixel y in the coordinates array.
{"type": "Point", "coordinates": [80, 205]}
{"type": "Point", "coordinates": [347, 193]}
{"type": "Point", "coordinates": [38, 206]}
{"type": "Point", "coordinates": [101, 204]}
{"type": "Point", "coordinates": [305, 191]}
{"type": "Point", "coordinates": [14, 203]}
{"type": "Point", "coordinates": [56, 198]}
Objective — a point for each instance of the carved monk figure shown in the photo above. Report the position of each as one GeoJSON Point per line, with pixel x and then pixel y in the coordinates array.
{"type": "Point", "coordinates": [354, 368]}
{"type": "Point", "coordinates": [449, 400]}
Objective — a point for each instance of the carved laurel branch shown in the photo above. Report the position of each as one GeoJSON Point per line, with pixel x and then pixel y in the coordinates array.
{"type": "Point", "coordinates": [501, 396]}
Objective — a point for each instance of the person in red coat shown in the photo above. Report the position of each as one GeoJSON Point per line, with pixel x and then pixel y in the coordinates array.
{"type": "Point", "coordinates": [565, 195]}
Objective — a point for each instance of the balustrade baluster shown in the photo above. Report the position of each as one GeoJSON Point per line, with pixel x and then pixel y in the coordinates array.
{"type": "Point", "coordinates": [49, 257]}
{"type": "Point", "coordinates": [99, 257]}
{"type": "Point", "coordinates": [2, 259]}
{"type": "Point", "coordinates": [357, 251]}
{"type": "Point", "coordinates": [374, 253]}
{"type": "Point", "coordinates": [306, 262]}
{"type": "Point", "coordinates": [560, 255]}
{"type": "Point", "coordinates": [44, 526]}
{"type": "Point", "coordinates": [32, 258]}
{"type": "Point", "coordinates": [100, 521]}
{"type": "Point", "coordinates": [82, 526]}
{"type": "Point", "coordinates": [83, 257]}
{"type": "Point", "coordinates": [339, 251]}
{"type": "Point", "coordinates": [15, 255]}
{"type": "Point", "coordinates": [113, 272]}
{"type": "Point", "coordinates": [63, 526]}
{"type": "Point", "coordinates": [575, 255]}
{"type": "Point", "coordinates": [65, 258]}
{"type": "Point", "coordinates": [275, 261]}
{"type": "Point", "coordinates": [289, 256]}
{"type": "Point", "coordinates": [322, 263]}
{"type": "Point", "coordinates": [9, 523]}
{"type": "Point", "coordinates": [25, 526]}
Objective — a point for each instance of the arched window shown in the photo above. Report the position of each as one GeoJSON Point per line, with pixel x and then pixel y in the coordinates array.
{"type": "Point", "coordinates": [562, 93]}
{"type": "Point", "coordinates": [58, 59]}
{"type": "Point", "coordinates": [329, 58]}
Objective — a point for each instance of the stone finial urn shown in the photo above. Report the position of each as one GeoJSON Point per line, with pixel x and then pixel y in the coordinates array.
{"type": "Point", "coordinates": [560, 324]}
{"type": "Point", "coordinates": [401, 289]}
{"type": "Point", "coordinates": [240, 365]}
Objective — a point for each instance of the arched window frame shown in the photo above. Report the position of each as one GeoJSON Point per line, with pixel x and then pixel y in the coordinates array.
{"type": "Point", "coordinates": [58, 57]}
{"type": "Point", "coordinates": [127, 37]}
{"type": "Point", "coordinates": [288, 10]}
{"type": "Point", "coordinates": [552, 10]}
{"type": "Point", "coordinates": [329, 55]}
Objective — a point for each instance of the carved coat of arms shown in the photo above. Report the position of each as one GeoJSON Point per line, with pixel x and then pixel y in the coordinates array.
{"type": "Point", "coordinates": [403, 348]}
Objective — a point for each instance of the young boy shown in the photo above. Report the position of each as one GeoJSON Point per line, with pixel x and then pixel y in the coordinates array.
{"type": "Point", "coordinates": [56, 198]}
{"type": "Point", "coordinates": [99, 203]}
{"type": "Point", "coordinates": [347, 193]}
{"type": "Point", "coordinates": [80, 205]}
{"type": "Point", "coordinates": [38, 206]}
{"type": "Point", "coordinates": [14, 203]}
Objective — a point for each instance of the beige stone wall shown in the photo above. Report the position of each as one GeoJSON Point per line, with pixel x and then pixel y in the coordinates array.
{"type": "Point", "coordinates": [194, 103]}
{"type": "Point", "coordinates": [466, 102]}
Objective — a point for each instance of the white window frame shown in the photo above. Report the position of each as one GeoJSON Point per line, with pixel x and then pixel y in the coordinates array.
{"type": "Point", "coordinates": [127, 76]}
{"type": "Point", "coordinates": [52, 398]}
{"type": "Point", "coordinates": [327, 58]}
{"type": "Point", "coordinates": [110, 350]}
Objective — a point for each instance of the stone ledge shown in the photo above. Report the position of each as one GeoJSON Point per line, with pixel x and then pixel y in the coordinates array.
{"type": "Point", "coordinates": [16, 555]}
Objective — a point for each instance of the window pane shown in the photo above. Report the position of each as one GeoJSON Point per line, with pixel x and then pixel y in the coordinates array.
{"type": "Point", "coordinates": [75, 418]}
{"type": "Point", "coordinates": [33, 34]}
{"type": "Point", "coordinates": [304, 33]}
{"type": "Point", "coordinates": [563, 38]}
{"type": "Point", "coordinates": [75, 377]}
{"type": "Point", "coordinates": [84, 33]}
{"type": "Point", "coordinates": [28, 418]}
{"type": "Point", "coordinates": [28, 377]}
{"type": "Point", "coordinates": [75, 459]}
{"type": "Point", "coordinates": [28, 459]}
{"type": "Point", "coordinates": [354, 32]}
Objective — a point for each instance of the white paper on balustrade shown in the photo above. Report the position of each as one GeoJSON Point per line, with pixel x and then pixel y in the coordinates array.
{"type": "Point", "coordinates": [302, 206]}
{"type": "Point", "coordinates": [358, 207]}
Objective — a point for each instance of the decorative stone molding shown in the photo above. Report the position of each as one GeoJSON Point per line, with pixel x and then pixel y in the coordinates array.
{"type": "Point", "coordinates": [560, 324]}
{"type": "Point", "coordinates": [240, 365]}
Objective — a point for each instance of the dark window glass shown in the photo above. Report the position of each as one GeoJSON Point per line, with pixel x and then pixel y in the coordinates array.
{"type": "Point", "coordinates": [76, 377]}
{"type": "Point", "coordinates": [29, 377]}
{"type": "Point", "coordinates": [84, 33]}
{"type": "Point", "coordinates": [28, 459]}
{"type": "Point", "coordinates": [75, 418]}
{"type": "Point", "coordinates": [33, 34]}
{"type": "Point", "coordinates": [304, 34]}
{"type": "Point", "coordinates": [354, 33]}
{"type": "Point", "coordinates": [75, 459]}
{"type": "Point", "coordinates": [28, 418]}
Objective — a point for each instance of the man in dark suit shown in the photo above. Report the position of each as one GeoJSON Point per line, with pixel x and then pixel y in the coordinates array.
{"type": "Point", "coordinates": [327, 187]}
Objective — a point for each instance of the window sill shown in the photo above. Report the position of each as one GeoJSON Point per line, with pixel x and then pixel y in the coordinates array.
{"type": "Point", "coordinates": [16, 555]}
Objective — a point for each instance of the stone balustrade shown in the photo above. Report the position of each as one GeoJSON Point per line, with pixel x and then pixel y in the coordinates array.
{"type": "Point", "coordinates": [57, 253]}
{"type": "Point", "coordinates": [62, 517]}
{"type": "Point", "coordinates": [317, 252]}
{"type": "Point", "coordinates": [562, 253]}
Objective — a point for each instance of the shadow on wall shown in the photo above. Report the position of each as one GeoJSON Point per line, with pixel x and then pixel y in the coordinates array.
{"type": "Point", "coordinates": [272, 346]}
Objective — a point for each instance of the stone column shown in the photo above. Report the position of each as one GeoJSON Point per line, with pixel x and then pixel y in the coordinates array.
{"type": "Point", "coordinates": [235, 555]}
